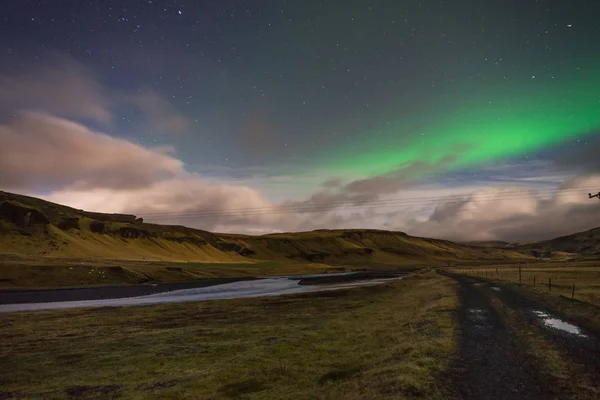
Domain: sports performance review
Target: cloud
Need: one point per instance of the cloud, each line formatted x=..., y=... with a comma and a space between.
x=94, y=171
x=158, y=111
x=333, y=183
x=66, y=88
x=47, y=147
x=44, y=151
x=189, y=201
x=341, y=219
x=91, y=170
x=365, y=190
x=497, y=214
x=62, y=87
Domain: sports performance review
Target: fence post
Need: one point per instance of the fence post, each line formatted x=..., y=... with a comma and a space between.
x=497, y=275
x=534, y=280
x=549, y=284
x=519, y=274
x=573, y=292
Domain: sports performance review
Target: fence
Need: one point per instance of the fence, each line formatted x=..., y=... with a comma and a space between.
x=539, y=279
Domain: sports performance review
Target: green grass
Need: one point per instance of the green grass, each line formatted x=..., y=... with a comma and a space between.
x=383, y=342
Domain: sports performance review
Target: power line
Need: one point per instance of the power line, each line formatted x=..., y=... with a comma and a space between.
x=398, y=203
x=330, y=208
x=353, y=202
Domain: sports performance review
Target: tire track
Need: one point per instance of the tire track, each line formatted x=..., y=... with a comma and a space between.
x=582, y=346
x=491, y=365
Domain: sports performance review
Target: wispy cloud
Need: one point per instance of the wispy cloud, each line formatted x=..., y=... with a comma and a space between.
x=65, y=88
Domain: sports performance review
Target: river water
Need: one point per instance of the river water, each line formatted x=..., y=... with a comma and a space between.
x=272, y=286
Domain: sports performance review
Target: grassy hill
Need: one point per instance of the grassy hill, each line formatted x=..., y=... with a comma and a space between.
x=583, y=244
x=36, y=235
x=499, y=244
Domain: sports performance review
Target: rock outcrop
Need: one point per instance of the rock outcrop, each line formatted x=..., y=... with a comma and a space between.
x=128, y=218
x=133, y=233
x=22, y=216
x=97, y=227
x=67, y=223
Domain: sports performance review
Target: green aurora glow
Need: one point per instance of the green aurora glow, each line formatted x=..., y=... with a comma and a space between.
x=502, y=123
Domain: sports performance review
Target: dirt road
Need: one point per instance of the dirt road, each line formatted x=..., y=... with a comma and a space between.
x=495, y=364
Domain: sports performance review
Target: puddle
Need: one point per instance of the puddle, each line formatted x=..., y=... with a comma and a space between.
x=495, y=288
x=541, y=314
x=562, y=325
x=478, y=313
x=559, y=324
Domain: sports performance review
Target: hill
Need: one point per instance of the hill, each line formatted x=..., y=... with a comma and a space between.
x=35, y=233
x=499, y=244
x=586, y=244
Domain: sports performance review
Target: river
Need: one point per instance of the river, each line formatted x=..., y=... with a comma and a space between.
x=264, y=286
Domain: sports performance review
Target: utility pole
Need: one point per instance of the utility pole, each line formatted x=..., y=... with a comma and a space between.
x=591, y=196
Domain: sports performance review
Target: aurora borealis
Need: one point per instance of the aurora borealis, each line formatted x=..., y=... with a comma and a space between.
x=519, y=121
x=215, y=106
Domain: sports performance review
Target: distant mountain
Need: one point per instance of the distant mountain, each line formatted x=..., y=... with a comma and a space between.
x=33, y=227
x=581, y=243
x=499, y=244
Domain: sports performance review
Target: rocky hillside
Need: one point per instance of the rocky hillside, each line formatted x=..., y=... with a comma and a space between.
x=33, y=227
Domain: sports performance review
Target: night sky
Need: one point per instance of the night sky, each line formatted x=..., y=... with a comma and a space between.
x=195, y=111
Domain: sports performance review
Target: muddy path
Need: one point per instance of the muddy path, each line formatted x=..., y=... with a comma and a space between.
x=580, y=345
x=491, y=365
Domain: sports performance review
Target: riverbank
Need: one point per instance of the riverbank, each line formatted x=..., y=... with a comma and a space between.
x=330, y=279
x=390, y=340
x=16, y=296
x=214, y=289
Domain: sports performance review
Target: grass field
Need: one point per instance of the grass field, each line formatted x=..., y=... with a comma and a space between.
x=36, y=272
x=581, y=305
x=553, y=278
x=387, y=341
